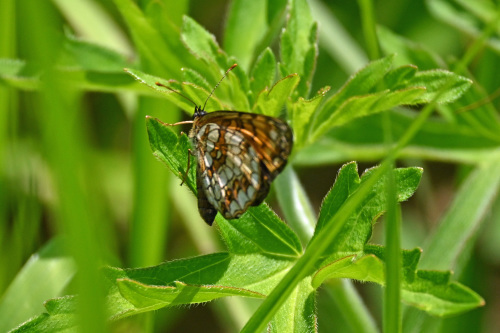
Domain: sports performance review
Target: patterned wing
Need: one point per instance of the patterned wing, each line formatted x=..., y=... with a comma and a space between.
x=239, y=155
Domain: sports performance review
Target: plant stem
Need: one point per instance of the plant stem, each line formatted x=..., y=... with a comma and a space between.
x=368, y=22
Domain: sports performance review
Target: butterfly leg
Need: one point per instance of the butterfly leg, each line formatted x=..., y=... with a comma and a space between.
x=190, y=153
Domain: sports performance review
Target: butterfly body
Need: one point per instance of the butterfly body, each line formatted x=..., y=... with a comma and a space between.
x=239, y=154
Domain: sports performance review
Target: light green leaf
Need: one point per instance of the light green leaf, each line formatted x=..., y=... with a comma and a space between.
x=45, y=275
x=150, y=297
x=299, y=46
x=301, y=113
x=357, y=230
x=16, y=73
x=201, y=42
x=465, y=216
x=377, y=88
x=367, y=268
x=431, y=291
x=197, y=94
x=360, y=106
x=246, y=26
x=148, y=39
x=434, y=80
x=190, y=75
x=86, y=56
x=264, y=71
x=270, y=103
x=363, y=140
x=298, y=314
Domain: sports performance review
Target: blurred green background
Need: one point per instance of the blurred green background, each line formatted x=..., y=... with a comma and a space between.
x=78, y=179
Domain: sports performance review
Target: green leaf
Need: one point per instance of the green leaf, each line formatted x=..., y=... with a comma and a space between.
x=259, y=230
x=192, y=76
x=197, y=94
x=87, y=56
x=246, y=26
x=357, y=230
x=361, y=83
x=458, y=228
x=360, y=106
x=363, y=140
x=184, y=281
x=434, y=293
x=367, y=268
x=431, y=291
x=434, y=80
x=16, y=73
x=299, y=46
x=172, y=150
x=150, y=297
x=427, y=290
x=271, y=102
x=298, y=314
x=264, y=71
x=204, y=46
x=201, y=42
x=148, y=39
x=301, y=112
x=376, y=88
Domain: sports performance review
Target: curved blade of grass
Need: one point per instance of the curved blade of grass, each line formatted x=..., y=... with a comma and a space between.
x=45, y=275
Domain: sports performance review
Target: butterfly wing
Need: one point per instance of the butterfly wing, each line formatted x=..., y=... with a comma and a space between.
x=239, y=154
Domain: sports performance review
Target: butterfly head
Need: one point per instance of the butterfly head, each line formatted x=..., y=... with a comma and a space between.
x=198, y=112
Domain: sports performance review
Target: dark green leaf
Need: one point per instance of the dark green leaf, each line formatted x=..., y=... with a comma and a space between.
x=171, y=150
x=259, y=230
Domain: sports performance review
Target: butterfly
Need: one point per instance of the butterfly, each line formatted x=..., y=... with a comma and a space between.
x=238, y=155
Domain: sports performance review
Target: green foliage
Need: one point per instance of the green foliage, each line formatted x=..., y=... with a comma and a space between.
x=381, y=112
x=258, y=258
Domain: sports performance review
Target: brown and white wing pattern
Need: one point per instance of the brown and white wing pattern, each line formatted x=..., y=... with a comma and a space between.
x=239, y=155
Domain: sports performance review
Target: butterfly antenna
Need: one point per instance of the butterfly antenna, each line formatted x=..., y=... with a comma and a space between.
x=225, y=74
x=175, y=91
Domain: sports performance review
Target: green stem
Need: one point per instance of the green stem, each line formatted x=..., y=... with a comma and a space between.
x=351, y=306
x=392, y=301
x=368, y=22
x=295, y=204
